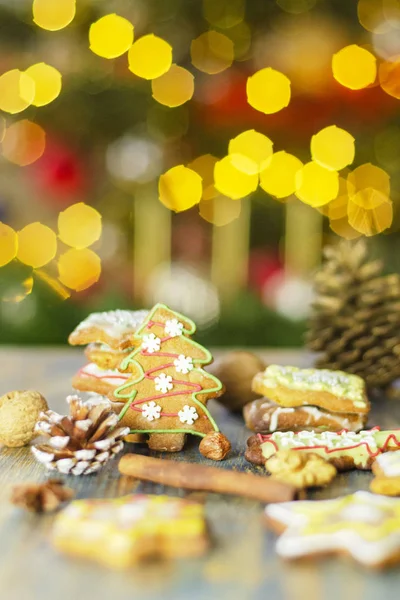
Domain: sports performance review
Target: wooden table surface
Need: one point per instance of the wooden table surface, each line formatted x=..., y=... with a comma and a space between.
x=242, y=564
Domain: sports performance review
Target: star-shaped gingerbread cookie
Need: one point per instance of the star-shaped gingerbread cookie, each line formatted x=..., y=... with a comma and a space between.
x=362, y=525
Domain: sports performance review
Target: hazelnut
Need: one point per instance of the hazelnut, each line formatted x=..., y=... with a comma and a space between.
x=19, y=412
x=215, y=446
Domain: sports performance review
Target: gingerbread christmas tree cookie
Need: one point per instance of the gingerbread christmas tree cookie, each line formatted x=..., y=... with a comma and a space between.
x=167, y=392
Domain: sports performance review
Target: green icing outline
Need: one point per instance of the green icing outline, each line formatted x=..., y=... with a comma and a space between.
x=131, y=359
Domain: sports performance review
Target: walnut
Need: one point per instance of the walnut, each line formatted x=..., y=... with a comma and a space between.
x=19, y=412
x=301, y=469
x=215, y=446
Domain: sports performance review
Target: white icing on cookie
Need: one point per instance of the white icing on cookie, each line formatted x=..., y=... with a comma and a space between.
x=274, y=418
x=389, y=463
x=115, y=323
x=112, y=376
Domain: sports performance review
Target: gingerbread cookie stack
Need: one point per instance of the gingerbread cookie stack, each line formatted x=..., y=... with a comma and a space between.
x=151, y=370
x=307, y=399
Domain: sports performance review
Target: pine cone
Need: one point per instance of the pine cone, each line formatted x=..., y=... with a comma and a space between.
x=355, y=320
x=41, y=497
x=82, y=442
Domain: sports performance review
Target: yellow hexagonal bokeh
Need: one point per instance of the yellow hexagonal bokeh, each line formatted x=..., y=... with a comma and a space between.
x=371, y=15
x=224, y=14
x=48, y=81
x=254, y=146
x=150, y=57
x=17, y=91
x=110, y=36
x=79, y=225
x=316, y=185
x=369, y=198
x=53, y=14
x=337, y=208
x=268, y=90
x=204, y=166
x=354, y=67
x=212, y=52
x=79, y=269
x=333, y=148
x=24, y=142
x=372, y=221
x=220, y=211
x=368, y=176
x=344, y=229
x=279, y=177
x=8, y=244
x=180, y=188
x=174, y=88
x=37, y=245
x=231, y=181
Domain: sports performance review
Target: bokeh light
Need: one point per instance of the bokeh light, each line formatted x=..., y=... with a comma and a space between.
x=111, y=36
x=8, y=244
x=332, y=148
x=37, y=245
x=79, y=269
x=173, y=88
x=370, y=222
x=337, y=208
x=354, y=67
x=79, y=225
x=134, y=158
x=204, y=166
x=53, y=14
x=220, y=210
x=150, y=57
x=254, y=147
x=47, y=83
x=369, y=198
x=240, y=35
x=316, y=185
x=368, y=176
x=371, y=15
x=279, y=176
x=268, y=90
x=17, y=91
x=231, y=181
x=224, y=13
x=212, y=52
x=389, y=77
x=296, y=7
x=24, y=142
x=180, y=188
x=343, y=228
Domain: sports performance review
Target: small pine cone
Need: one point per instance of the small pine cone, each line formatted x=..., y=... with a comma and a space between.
x=82, y=442
x=41, y=497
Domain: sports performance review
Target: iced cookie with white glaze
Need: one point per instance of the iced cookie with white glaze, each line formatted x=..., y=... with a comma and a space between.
x=345, y=450
x=363, y=526
x=116, y=328
x=265, y=416
x=335, y=391
x=386, y=469
x=106, y=357
x=91, y=378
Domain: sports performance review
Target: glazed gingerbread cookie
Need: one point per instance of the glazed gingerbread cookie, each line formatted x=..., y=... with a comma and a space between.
x=106, y=357
x=386, y=469
x=119, y=533
x=92, y=378
x=115, y=328
x=265, y=416
x=167, y=393
x=345, y=450
x=361, y=525
x=335, y=391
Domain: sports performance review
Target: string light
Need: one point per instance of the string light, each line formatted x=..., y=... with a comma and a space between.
x=316, y=185
x=268, y=90
x=53, y=14
x=111, y=36
x=79, y=269
x=8, y=244
x=231, y=181
x=333, y=148
x=48, y=83
x=354, y=67
x=180, y=188
x=17, y=91
x=255, y=147
x=212, y=52
x=79, y=225
x=150, y=57
x=174, y=88
x=279, y=177
x=37, y=245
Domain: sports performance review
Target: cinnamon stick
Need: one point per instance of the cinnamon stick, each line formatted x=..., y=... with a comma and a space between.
x=211, y=479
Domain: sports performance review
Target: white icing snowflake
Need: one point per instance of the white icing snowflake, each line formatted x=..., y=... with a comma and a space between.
x=151, y=411
x=163, y=383
x=173, y=328
x=188, y=414
x=183, y=364
x=151, y=343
